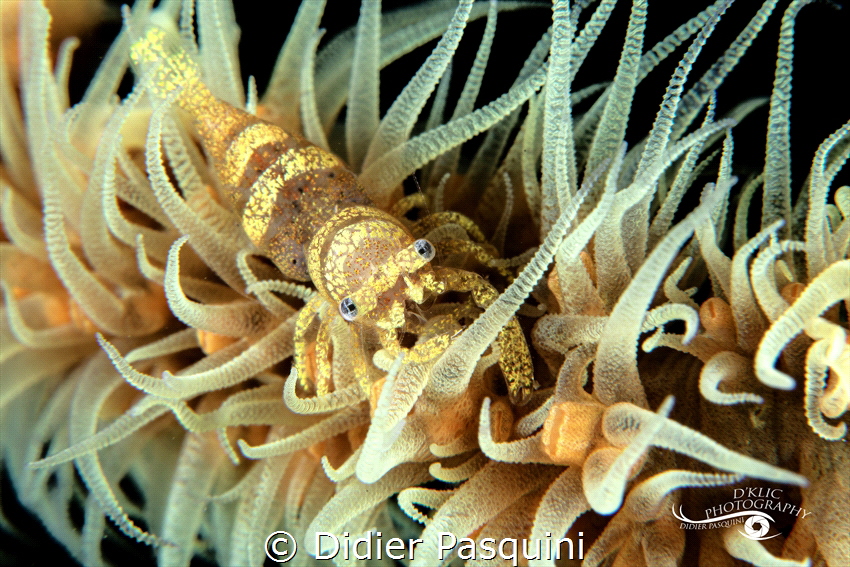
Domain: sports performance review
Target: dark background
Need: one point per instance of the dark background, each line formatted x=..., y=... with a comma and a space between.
x=819, y=97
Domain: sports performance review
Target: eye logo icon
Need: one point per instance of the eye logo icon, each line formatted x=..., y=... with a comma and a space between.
x=755, y=527
x=281, y=546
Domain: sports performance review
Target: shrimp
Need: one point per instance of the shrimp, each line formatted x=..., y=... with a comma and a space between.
x=306, y=211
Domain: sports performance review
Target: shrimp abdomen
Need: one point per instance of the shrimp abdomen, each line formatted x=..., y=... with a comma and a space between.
x=282, y=187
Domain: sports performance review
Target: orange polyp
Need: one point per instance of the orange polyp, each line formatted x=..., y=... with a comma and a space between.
x=571, y=430
x=212, y=342
x=56, y=312
x=81, y=320
x=20, y=292
x=153, y=305
x=716, y=316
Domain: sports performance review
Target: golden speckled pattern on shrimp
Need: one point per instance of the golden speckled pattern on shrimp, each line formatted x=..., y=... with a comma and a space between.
x=282, y=186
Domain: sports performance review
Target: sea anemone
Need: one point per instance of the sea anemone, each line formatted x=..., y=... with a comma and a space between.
x=681, y=335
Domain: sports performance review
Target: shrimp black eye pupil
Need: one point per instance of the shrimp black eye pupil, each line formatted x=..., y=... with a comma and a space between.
x=425, y=249
x=348, y=309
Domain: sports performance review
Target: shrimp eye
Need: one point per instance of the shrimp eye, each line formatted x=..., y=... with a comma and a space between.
x=347, y=309
x=425, y=249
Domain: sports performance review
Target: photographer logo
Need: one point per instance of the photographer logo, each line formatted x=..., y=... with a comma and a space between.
x=749, y=508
